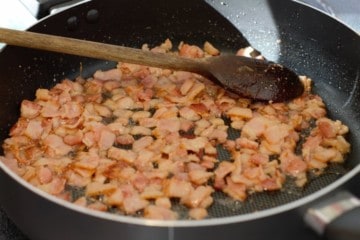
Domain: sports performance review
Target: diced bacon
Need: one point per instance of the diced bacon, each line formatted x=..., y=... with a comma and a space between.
x=98, y=206
x=177, y=188
x=125, y=103
x=74, y=139
x=200, y=176
x=292, y=164
x=29, y=109
x=57, y=145
x=71, y=110
x=45, y=175
x=210, y=49
x=132, y=204
x=56, y=186
x=168, y=125
x=121, y=154
x=199, y=108
x=140, y=130
x=115, y=198
x=43, y=94
x=276, y=133
x=81, y=201
x=107, y=139
x=239, y=112
x=198, y=213
x=254, y=128
x=95, y=188
x=142, y=143
x=126, y=139
x=34, y=129
x=236, y=190
x=152, y=192
x=224, y=169
x=50, y=109
x=195, y=144
x=197, y=196
x=159, y=213
x=271, y=184
x=112, y=74
x=186, y=86
x=189, y=114
x=163, y=202
x=191, y=51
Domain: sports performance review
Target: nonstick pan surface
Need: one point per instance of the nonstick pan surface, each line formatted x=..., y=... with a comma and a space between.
x=298, y=39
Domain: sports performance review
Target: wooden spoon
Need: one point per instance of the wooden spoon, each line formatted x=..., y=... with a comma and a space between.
x=247, y=77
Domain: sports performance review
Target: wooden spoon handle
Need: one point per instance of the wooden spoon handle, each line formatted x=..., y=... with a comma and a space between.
x=98, y=50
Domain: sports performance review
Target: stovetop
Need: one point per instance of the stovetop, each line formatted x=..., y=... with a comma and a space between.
x=32, y=10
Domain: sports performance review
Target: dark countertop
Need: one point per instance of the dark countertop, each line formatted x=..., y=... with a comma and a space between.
x=347, y=12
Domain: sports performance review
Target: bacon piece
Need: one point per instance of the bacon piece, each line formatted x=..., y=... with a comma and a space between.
x=112, y=74
x=235, y=190
x=195, y=144
x=95, y=188
x=34, y=129
x=254, y=128
x=159, y=213
x=45, y=175
x=199, y=197
x=175, y=188
x=133, y=203
x=57, y=145
x=198, y=213
x=121, y=154
x=106, y=140
x=29, y=109
x=191, y=51
x=200, y=176
x=210, y=49
x=55, y=187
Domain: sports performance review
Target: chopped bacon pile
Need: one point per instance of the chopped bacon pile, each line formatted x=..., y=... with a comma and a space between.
x=134, y=138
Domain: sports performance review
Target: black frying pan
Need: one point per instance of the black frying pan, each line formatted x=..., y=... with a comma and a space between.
x=307, y=41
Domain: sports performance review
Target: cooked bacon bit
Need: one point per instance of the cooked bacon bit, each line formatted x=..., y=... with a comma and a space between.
x=159, y=213
x=198, y=213
x=198, y=197
x=81, y=201
x=44, y=175
x=95, y=188
x=163, y=202
x=235, y=190
x=29, y=109
x=98, y=206
x=55, y=187
x=112, y=74
x=106, y=140
x=239, y=112
x=191, y=51
x=34, y=129
x=137, y=137
x=43, y=94
x=57, y=145
x=177, y=188
x=210, y=49
x=134, y=203
x=121, y=154
x=254, y=128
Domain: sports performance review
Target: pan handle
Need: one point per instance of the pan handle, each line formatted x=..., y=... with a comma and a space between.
x=336, y=218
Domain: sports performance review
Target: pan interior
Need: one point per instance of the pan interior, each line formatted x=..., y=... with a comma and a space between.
x=335, y=75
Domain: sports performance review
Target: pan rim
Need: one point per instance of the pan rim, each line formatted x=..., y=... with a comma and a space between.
x=181, y=223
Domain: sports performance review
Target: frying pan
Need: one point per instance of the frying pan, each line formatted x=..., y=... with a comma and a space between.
x=292, y=34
